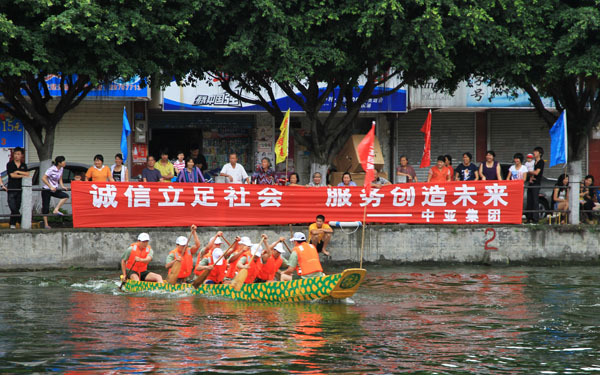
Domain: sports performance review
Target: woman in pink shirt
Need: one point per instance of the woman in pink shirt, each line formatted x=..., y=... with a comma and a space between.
x=52, y=180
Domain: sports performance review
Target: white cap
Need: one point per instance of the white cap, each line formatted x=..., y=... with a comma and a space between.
x=144, y=237
x=279, y=248
x=218, y=240
x=256, y=250
x=181, y=241
x=216, y=254
x=245, y=241
x=298, y=236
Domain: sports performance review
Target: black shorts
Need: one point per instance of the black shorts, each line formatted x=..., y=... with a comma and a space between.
x=260, y=280
x=319, y=246
x=47, y=194
x=142, y=276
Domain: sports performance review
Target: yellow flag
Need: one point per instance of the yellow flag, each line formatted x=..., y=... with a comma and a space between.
x=281, y=147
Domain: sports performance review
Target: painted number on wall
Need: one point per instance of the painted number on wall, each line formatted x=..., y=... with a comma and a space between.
x=487, y=246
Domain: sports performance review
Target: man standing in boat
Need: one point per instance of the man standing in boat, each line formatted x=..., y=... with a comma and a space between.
x=184, y=254
x=304, y=258
x=136, y=258
x=270, y=270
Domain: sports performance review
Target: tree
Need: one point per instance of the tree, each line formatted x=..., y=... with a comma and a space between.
x=319, y=50
x=548, y=48
x=84, y=43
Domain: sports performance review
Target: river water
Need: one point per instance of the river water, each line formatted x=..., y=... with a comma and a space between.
x=404, y=319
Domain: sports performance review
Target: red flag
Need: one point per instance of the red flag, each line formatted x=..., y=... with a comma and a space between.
x=366, y=155
x=426, y=128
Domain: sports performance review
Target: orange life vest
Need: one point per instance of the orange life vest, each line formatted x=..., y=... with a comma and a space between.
x=186, y=263
x=136, y=251
x=254, y=268
x=270, y=268
x=308, y=259
x=199, y=258
x=232, y=270
x=217, y=274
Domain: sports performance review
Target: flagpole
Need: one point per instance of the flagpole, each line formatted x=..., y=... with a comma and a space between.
x=287, y=147
x=362, y=244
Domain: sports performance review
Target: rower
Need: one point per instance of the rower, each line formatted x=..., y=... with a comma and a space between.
x=136, y=258
x=304, y=258
x=270, y=270
x=215, y=264
x=184, y=254
x=253, y=262
x=242, y=247
x=214, y=242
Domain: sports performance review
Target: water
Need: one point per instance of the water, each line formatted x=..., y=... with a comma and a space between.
x=403, y=319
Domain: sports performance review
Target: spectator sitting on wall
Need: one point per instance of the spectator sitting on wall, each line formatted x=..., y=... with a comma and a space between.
x=439, y=172
x=535, y=180
x=199, y=159
x=405, y=172
x=294, y=180
x=165, y=167
x=517, y=171
x=317, y=180
x=191, y=173
x=378, y=181
x=234, y=171
x=448, y=163
x=466, y=171
x=118, y=170
x=16, y=169
x=320, y=234
x=179, y=164
x=490, y=168
x=264, y=174
x=151, y=174
x=99, y=172
x=588, y=198
x=347, y=180
x=560, y=195
x=52, y=179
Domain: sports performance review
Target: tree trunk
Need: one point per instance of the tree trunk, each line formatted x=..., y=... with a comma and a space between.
x=47, y=148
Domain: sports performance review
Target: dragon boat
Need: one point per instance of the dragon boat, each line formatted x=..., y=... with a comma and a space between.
x=330, y=287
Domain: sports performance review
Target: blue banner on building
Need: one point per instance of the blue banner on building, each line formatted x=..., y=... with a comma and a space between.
x=119, y=89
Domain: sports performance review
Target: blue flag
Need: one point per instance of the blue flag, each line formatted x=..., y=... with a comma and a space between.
x=558, y=141
x=124, y=135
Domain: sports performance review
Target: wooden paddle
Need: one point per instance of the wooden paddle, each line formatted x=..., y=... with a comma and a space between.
x=238, y=280
x=224, y=239
x=127, y=275
x=176, y=267
x=202, y=277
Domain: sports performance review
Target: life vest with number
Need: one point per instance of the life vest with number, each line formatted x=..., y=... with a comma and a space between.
x=270, y=268
x=232, y=270
x=186, y=263
x=253, y=269
x=137, y=251
x=308, y=259
x=217, y=274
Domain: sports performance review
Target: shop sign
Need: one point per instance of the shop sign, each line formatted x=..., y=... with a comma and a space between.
x=140, y=152
x=209, y=96
x=11, y=131
x=122, y=204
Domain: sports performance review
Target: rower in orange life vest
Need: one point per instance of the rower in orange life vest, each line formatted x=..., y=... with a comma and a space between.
x=136, y=258
x=253, y=262
x=304, y=258
x=240, y=249
x=270, y=270
x=183, y=254
x=214, y=242
x=205, y=259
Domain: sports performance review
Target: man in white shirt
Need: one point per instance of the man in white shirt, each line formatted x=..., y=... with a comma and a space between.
x=234, y=172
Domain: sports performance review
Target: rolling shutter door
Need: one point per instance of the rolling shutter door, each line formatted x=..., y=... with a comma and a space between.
x=452, y=133
x=93, y=127
x=522, y=131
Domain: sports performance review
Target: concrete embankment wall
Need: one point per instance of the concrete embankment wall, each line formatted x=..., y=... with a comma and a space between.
x=385, y=244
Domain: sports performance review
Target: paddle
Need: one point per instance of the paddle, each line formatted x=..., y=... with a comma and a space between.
x=224, y=239
x=127, y=276
x=202, y=277
x=238, y=280
x=176, y=267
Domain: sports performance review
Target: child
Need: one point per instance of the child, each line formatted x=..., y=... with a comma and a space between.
x=179, y=164
x=529, y=163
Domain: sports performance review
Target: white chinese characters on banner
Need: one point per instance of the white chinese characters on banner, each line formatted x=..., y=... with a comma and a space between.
x=137, y=196
x=202, y=195
x=270, y=197
x=233, y=196
x=104, y=196
x=338, y=197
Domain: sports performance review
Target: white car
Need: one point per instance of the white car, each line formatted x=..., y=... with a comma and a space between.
x=69, y=173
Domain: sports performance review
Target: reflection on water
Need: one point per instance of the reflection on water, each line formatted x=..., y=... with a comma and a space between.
x=475, y=320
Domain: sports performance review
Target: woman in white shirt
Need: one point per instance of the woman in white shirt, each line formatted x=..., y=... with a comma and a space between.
x=560, y=196
x=517, y=171
x=118, y=171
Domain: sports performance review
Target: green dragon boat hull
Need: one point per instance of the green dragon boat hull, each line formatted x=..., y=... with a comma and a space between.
x=336, y=286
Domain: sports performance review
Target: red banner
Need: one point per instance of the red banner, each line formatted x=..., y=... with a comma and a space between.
x=124, y=204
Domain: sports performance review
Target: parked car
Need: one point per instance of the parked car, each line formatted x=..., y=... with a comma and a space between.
x=546, y=190
x=69, y=173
